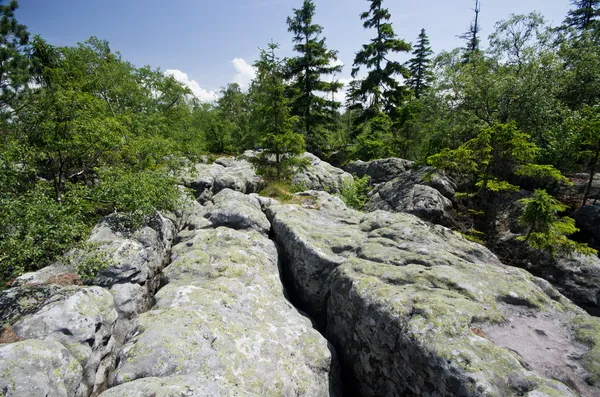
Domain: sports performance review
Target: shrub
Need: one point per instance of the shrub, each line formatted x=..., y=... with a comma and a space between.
x=355, y=193
x=548, y=232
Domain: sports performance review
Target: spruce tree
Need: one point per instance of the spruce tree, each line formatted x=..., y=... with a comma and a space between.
x=419, y=66
x=376, y=97
x=14, y=65
x=472, y=35
x=307, y=71
x=585, y=15
x=380, y=89
x=281, y=144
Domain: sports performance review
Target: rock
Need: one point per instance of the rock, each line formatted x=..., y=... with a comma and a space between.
x=415, y=309
x=81, y=318
x=176, y=386
x=379, y=171
x=222, y=325
x=38, y=368
x=577, y=276
x=587, y=219
x=240, y=176
x=205, y=180
x=406, y=193
x=237, y=211
x=201, y=179
x=321, y=176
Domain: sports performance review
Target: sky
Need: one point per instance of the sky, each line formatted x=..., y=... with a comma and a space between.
x=207, y=44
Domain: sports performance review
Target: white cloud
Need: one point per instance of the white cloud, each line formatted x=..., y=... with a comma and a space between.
x=199, y=92
x=245, y=73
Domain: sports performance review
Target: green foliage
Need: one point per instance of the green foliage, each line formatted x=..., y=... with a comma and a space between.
x=281, y=144
x=90, y=259
x=379, y=91
x=136, y=195
x=14, y=64
x=420, y=66
x=35, y=229
x=548, y=232
x=355, y=193
x=316, y=113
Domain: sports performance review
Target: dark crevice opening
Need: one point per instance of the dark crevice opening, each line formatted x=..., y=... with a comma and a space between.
x=349, y=383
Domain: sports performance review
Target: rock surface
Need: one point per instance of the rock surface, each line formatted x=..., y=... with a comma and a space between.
x=38, y=368
x=222, y=325
x=415, y=309
x=225, y=173
x=321, y=175
x=81, y=318
x=587, y=219
x=379, y=171
x=412, y=192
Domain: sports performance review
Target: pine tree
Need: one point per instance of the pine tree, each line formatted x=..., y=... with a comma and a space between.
x=280, y=142
x=472, y=35
x=379, y=91
x=307, y=71
x=14, y=65
x=584, y=16
x=375, y=98
x=419, y=66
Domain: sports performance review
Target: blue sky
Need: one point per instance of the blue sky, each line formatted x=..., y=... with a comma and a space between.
x=208, y=43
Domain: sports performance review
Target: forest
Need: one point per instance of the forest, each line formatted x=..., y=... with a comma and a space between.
x=85, y=133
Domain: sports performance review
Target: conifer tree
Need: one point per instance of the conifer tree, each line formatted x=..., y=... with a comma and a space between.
x=376, y=97
x=585, y=15
x=280, y=142
x=472, y=35
x=14, y=65
x=419, y=66
x=379, y=91
x=307, y=71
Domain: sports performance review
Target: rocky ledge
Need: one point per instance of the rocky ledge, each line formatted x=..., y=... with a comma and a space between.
x=415, y=309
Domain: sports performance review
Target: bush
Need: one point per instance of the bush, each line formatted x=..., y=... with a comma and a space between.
x=355, y=193
x=548, y=232
x=35, y=229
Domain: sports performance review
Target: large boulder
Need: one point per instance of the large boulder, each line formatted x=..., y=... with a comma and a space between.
x=414, y=192
x=575, y=276
x=38, y=368
x=320, y=175
x=81, y=318
x=221, y=324
x=379, y=171
x=587, y=219
x=205, y=180
x=416, y=309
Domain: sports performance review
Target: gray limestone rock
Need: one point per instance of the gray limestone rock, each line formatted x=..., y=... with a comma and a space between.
x=379, y=171
x=321, y=175
x=236, y=211
x=81, y=318
x=415, y=309
x=408, y=193
x=38, y=368
x=231, y=330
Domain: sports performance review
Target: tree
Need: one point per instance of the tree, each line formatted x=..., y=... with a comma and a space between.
x=281, y=144
x=472, y=35
x=233, y=109
x=14, y=64
x=588, y=135
x=420, y=66
x=546, y=231
x=379, y=90
x=377, y=96
x=584, y=16
x=307, y=71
